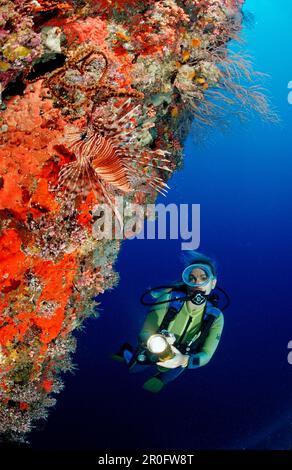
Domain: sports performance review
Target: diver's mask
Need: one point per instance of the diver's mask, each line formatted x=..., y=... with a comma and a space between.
x=193, y=281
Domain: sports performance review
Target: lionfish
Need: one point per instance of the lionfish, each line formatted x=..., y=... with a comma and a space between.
x=109, y=155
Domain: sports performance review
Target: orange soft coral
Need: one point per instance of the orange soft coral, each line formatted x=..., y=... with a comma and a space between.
x=32, y=127
x=11, y=260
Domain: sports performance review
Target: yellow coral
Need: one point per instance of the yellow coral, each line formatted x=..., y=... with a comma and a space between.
x=13, y=356
x=22, y=51
x=174, y=112
x=13, y=54
x=186, y=56
x=4, y=66
x=191, y=75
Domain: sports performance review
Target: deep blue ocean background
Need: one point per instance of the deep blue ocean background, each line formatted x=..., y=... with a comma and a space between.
x=243, y=398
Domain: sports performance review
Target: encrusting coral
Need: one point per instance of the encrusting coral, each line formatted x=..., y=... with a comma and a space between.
x=98, y=97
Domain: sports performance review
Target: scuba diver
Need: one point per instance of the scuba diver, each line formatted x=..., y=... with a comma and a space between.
x=183, y=327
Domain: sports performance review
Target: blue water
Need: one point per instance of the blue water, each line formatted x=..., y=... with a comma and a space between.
x=243, y=398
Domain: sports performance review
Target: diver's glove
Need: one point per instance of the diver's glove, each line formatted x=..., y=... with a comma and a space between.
x=179, y=360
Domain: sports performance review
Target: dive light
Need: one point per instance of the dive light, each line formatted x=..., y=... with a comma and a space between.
x=158, y=345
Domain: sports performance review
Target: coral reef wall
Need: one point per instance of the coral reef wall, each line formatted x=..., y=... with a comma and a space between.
x=97, y=99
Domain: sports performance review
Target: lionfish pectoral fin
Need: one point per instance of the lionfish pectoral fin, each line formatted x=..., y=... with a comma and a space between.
x=112, y=205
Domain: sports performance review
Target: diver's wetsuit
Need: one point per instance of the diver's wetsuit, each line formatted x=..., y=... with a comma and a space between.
x=178, y=327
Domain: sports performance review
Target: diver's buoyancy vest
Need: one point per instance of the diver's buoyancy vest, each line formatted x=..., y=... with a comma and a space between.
x=210, y=314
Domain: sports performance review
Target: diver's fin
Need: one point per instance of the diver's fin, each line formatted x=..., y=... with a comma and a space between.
x=153, y=385
x=117, y=357
x=124, y=354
